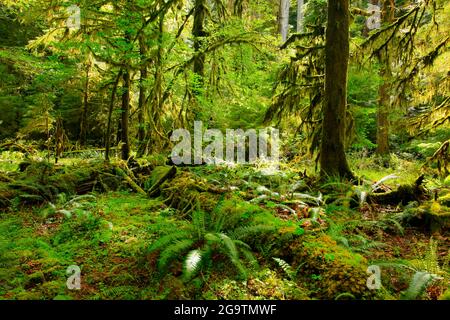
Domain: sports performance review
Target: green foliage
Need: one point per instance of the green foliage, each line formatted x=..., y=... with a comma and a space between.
x=199, y=243
x=286, y=268
x=418, y=285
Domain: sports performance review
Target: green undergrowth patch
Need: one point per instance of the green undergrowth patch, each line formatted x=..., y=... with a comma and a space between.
x=106, y=242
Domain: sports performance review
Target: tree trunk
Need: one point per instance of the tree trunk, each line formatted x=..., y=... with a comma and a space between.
x=300, y=17
x=141, y=103
x=85, y=110
x=387, y=16
x=333, y=161
x=125, y=115
x=284, y=18
x=383, y=121
x=198, y=32
x=110, y=111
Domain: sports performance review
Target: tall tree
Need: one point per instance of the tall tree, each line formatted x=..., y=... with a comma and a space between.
x=300, y=17
x=85, y=109
x=333, y=161
x=387, y=16
x=142, y=95
x=284, y=18
x=198, y=31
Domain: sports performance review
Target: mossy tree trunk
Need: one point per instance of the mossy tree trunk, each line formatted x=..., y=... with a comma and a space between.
x=387, y=16
x=300, y=4
x=124, y=128
x=85, y=108
x=333, y=161
x=198, y=31
x=383, y=119
x=142, y=97
x=284, y=18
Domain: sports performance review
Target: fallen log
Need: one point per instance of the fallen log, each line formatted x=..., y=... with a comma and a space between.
x=159, y=176
x=403, y=195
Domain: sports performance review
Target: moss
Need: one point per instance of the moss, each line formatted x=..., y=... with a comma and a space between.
x=333, y=269
x=35, y=279
x=445, y=295
x=447, y=181
x=431, y=217
x=263, y=285
x=186, y=192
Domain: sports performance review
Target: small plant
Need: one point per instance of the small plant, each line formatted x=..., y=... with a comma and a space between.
x=286, y=267
x=203, y=241
x=426, y=271
x=79, y=205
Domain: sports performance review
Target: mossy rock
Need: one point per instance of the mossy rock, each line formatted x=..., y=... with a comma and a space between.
x=187, y=192
x=432, y=217
x=35, y=279
x=263, y=285
x=337, y=271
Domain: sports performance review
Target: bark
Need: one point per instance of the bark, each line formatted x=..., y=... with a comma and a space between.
x=383, y=121
x=333, y=161
x=110, y=111
x=300, y=4
x=284, y=18
x=142, y=98
x=125, y=116
x=198, y=31
x=387, y=16
x=85, y=110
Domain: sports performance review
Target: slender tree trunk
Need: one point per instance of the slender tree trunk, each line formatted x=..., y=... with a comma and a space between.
x=333, y=161
x=142, y=98
x=387, y=16
x=125, y=115
x=85, y=110
x=110, y=111
x=284, y=18
x=383, y=120
x=300, y=17
x=198, y=31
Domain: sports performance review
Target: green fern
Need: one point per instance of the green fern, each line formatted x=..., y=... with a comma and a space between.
x=286, y=268
x=193, y=262
x=419, y=283
x=167, y=240
x=197, y=243
x=173, y=251
x=429, y=261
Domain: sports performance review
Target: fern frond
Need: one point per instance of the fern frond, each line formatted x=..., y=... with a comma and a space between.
x=229, y=245
x=173, y=251
x=285, y=267
x=192, y=262
x=248, y=255
x=418, y=285
x=167, y=240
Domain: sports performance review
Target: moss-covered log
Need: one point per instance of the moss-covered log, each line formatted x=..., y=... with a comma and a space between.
x=403, y=195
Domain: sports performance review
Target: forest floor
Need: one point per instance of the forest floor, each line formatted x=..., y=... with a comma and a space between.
x=311, y=239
